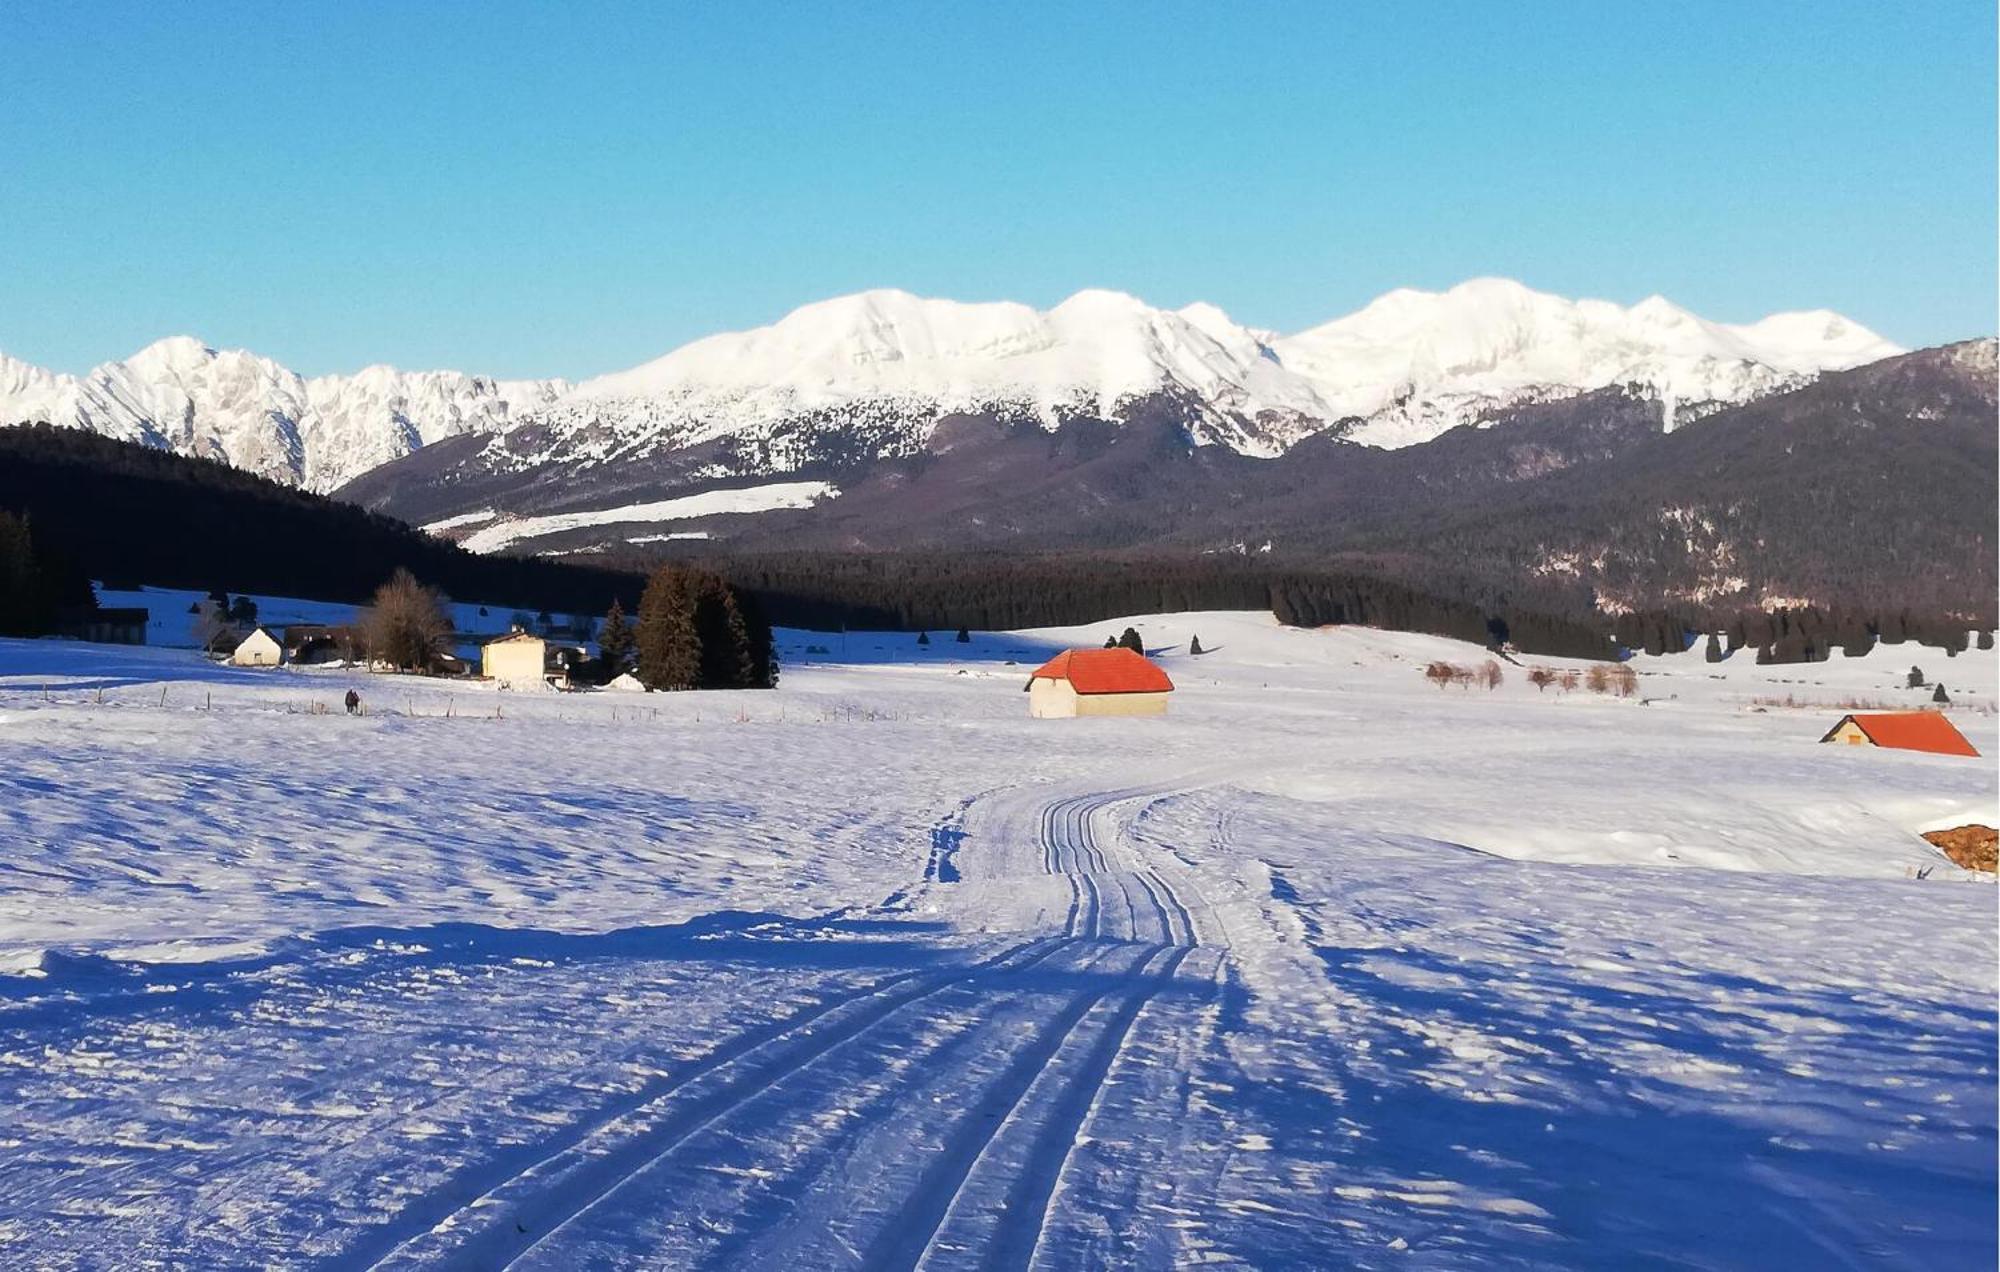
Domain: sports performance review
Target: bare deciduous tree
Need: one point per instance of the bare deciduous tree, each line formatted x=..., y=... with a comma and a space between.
x=210, y=622
x=1490, y=675
x=1541, y=678
x=406, y=625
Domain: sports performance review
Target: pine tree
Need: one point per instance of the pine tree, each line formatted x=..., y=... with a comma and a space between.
x=1941, y=696
x=763, y=649
x=1131, y=641
x=739, y=663
x=1194, y=646
x=1916, y=680
x=1111, y=642
x=669, y=649
x=923, y=638
x=1714, y=651
x=964, y=637
x=615, y=641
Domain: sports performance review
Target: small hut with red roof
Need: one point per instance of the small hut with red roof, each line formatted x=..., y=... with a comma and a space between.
x=1903, y=731
x=1098, y=682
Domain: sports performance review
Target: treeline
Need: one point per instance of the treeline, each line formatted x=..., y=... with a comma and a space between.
x=994, y=591
x=128, y=513
x=1796, y=635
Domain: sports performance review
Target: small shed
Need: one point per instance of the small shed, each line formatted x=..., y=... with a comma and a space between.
x=319, y=643
x=1098, y=682
x=258, y=649
x=514, y=661
x=1903, y=731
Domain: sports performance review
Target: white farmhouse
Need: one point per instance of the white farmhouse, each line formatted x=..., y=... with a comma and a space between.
x=258, y=649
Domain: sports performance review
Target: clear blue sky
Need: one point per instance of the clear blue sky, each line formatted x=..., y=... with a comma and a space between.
x=574, y=188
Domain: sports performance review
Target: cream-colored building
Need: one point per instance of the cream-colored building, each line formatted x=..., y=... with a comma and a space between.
x=1098, y=682
x=258, y=649
x=518, y=660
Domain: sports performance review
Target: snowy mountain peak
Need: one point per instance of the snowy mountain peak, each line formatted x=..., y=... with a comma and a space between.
x=176, y=352
x=1090, y=354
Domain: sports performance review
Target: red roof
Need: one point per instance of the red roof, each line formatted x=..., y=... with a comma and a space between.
x=1912, y=731
x=1092, y=671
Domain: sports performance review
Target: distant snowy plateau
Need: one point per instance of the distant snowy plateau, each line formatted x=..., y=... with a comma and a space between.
x=874, y=374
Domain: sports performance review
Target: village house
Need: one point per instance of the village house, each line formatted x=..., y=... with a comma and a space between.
x=521, y=660
x=257, y=649
x=1097, y=682
x=1903, y=731
x=514, y=661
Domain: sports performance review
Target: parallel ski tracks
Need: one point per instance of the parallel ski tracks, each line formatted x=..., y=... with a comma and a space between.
x=576, y=1174
x=984, y=1199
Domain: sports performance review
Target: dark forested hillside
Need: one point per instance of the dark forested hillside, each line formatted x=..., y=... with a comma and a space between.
x=126, y=512
x=1869, y=491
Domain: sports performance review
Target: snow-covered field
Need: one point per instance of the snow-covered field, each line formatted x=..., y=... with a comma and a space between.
x=1327, y=968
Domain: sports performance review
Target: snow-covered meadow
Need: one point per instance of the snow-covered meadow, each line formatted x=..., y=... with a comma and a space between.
x=1329, y=967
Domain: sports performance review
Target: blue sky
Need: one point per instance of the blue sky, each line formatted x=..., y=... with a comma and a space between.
x=570, y=189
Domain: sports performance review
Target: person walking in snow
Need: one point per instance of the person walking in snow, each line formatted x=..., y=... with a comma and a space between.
x=353, y=701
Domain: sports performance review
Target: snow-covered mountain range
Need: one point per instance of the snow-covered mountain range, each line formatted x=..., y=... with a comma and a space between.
x=254, y=413
x=876, y=371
